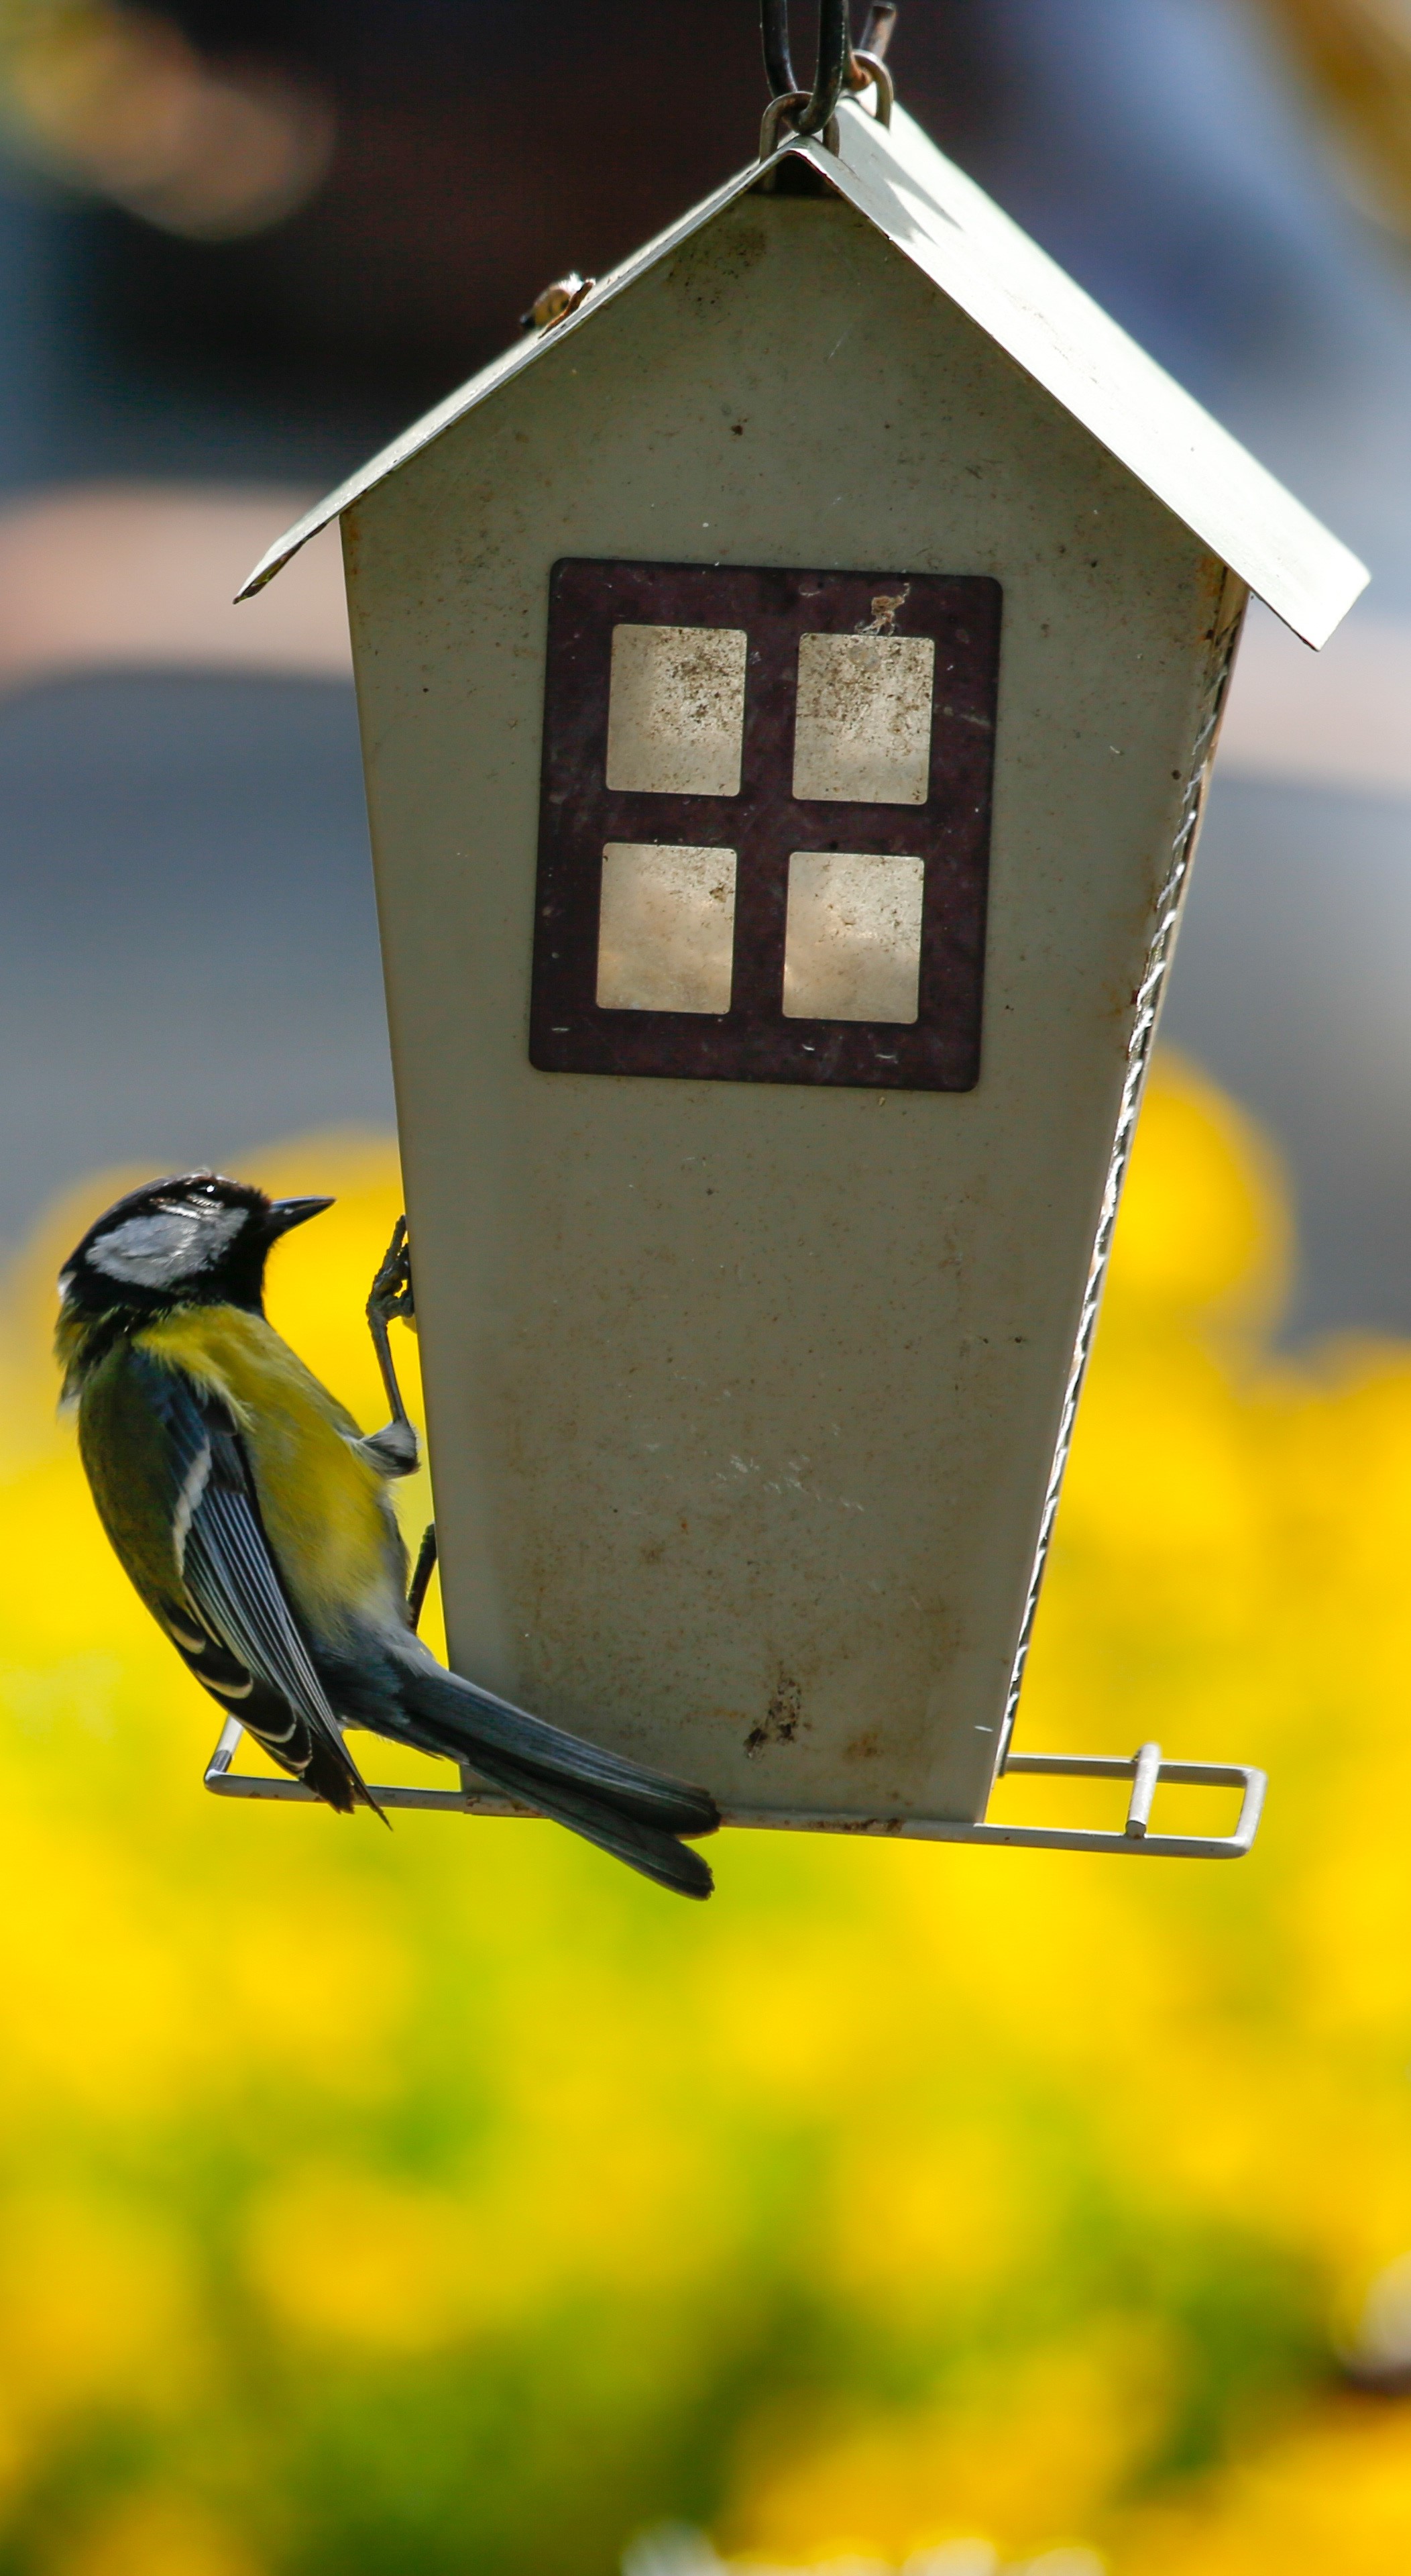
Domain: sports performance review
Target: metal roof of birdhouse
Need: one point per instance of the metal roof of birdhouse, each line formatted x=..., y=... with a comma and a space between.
x=937, y=218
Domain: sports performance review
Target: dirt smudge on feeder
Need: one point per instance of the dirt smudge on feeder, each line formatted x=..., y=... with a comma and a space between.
x=782, y=1719
x=883, y=620
x=706, y=269
x=862, y=730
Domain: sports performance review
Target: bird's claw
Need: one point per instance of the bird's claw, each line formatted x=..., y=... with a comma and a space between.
x=391, y=1294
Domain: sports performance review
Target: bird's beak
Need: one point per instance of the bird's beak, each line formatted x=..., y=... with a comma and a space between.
x=285, y=1214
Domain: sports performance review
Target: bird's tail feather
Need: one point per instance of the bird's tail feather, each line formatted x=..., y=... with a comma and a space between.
x=646, y=1848
x=632, y=1812
x=333, y=1775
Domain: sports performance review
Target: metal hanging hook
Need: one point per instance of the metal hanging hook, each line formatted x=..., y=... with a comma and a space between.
x=778, y=61
x=838, y=67
x=834, y=55
x=867, y=66
x=879, y=30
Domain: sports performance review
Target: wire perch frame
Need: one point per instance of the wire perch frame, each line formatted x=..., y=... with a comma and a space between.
x=1147, y=1769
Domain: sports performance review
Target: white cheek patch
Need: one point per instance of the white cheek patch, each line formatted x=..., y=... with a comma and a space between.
x=173, y=1244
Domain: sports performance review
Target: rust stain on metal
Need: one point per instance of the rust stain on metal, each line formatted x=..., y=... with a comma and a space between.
x=782, y=1719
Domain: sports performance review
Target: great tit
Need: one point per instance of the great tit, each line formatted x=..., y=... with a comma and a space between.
x=255, y=1521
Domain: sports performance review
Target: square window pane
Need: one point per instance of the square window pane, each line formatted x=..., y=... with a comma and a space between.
x=852, y=945
x=676, y=710
x=666, y=931
x=862, y=733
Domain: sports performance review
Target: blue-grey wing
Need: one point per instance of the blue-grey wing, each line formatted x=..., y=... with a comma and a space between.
x=245, y=1643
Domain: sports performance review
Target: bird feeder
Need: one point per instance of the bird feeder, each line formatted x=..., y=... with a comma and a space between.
x=788, y=681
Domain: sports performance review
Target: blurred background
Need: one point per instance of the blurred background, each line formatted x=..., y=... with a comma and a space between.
x=450, y=2206
x=240, y=246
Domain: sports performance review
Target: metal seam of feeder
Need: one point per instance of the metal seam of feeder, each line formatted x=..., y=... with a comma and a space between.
x=1140, y=1051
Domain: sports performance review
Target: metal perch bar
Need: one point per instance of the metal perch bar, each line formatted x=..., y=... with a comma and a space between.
x=469, y=1799
x=1145, y=1768
x=1148, y=1772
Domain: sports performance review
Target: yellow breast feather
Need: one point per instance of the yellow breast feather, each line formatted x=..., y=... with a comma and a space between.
x=325, y=1509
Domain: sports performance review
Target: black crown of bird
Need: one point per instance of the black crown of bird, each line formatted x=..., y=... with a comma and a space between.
x=255, y=1520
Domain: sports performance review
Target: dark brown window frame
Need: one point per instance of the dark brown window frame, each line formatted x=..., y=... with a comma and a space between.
x=764, y=825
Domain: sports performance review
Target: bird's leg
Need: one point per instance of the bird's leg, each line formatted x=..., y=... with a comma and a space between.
x=395, y=1451
x=422, y=1574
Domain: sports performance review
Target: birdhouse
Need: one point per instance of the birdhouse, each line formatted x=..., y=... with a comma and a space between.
x=788, y=681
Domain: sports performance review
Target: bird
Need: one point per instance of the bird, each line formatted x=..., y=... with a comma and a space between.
x=255, y=1520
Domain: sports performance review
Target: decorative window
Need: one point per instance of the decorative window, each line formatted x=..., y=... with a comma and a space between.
x=764, y=837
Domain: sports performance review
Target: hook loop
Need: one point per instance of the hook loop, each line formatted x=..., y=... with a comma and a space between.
x=778, y=61
x=868, y=71
x=834, y=57
x=784, y=111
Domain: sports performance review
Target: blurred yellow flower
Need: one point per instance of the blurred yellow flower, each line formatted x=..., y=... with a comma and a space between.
x=446, y=2199
x=355, y=2260
x=154, y=2536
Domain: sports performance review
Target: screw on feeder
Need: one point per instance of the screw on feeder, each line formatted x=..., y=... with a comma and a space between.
x=557, y=301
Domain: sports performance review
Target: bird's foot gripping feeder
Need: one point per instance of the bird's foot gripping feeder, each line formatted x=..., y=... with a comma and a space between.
x=1146, y=1770
x=788, y=681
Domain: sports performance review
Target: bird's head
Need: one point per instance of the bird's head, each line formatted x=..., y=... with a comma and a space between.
x=199, y=1240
